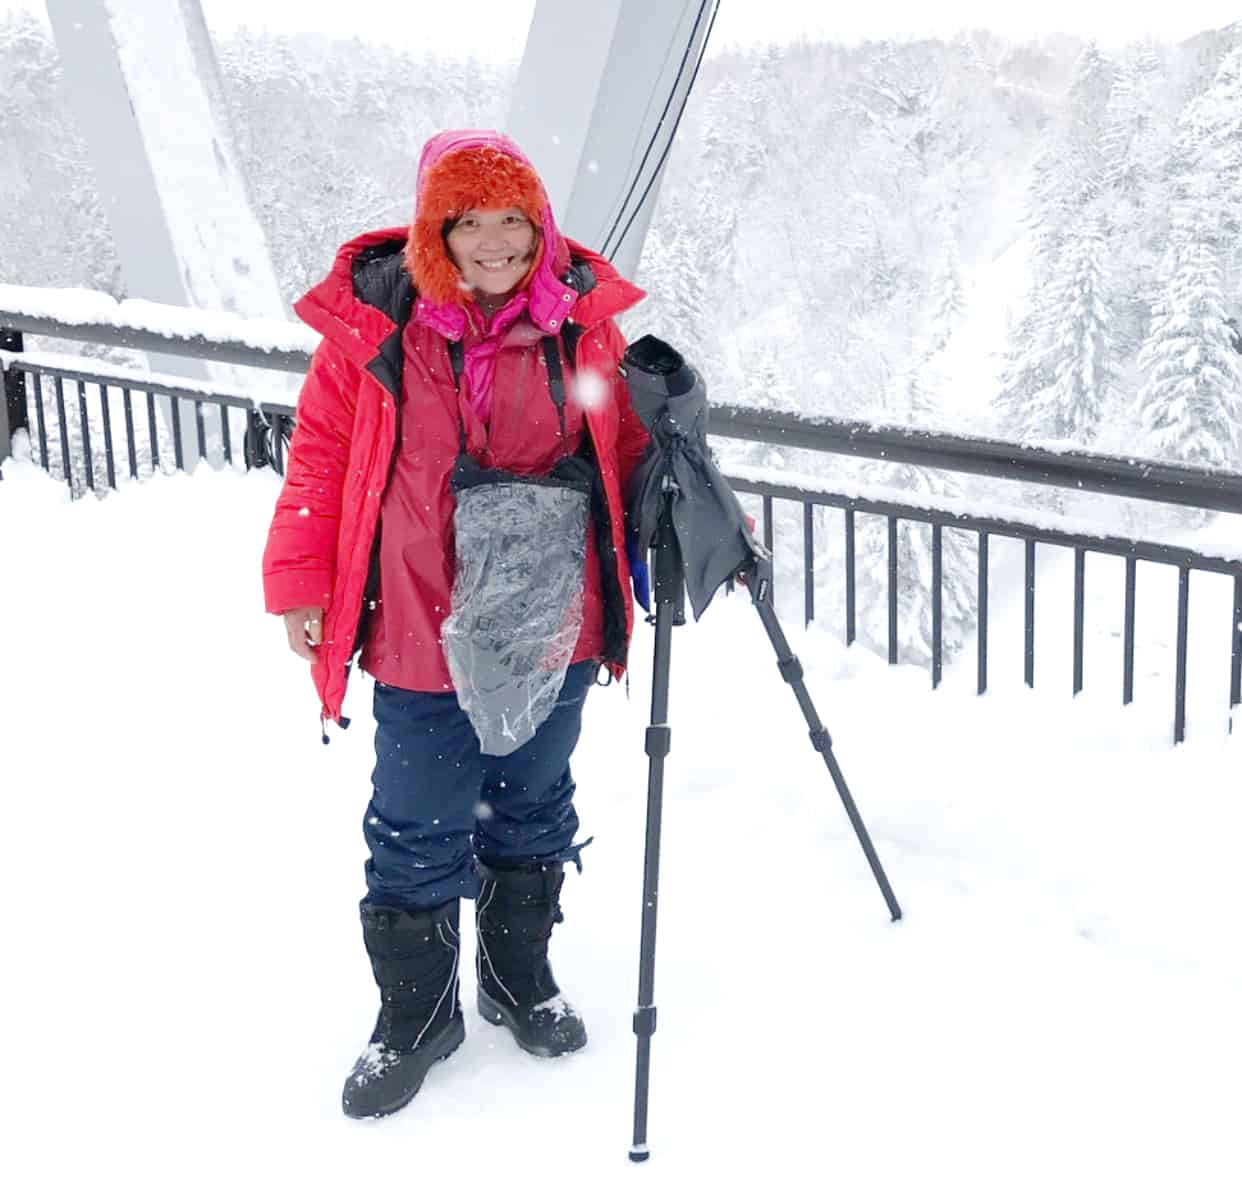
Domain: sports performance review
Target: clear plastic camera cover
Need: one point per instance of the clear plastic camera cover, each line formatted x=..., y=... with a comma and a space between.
x=516, y=605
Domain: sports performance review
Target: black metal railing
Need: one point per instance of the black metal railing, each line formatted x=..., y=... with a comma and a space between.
x=66, y=446
x=267, y=426
x=1133, y=551
x=38, y=381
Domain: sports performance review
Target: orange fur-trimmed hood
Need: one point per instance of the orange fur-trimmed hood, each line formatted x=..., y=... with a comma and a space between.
x=462, y=170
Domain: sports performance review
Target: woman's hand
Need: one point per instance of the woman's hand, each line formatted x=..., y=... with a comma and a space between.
x=304, y=627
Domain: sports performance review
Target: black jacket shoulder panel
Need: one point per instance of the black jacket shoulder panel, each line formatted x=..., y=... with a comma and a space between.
x=381, y=280
x=580, y=276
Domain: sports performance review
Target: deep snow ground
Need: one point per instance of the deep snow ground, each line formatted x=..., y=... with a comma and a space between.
x=180, y=860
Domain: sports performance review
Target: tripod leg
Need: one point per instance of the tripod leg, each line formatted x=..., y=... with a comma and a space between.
x=791, y=671
x=658, y=742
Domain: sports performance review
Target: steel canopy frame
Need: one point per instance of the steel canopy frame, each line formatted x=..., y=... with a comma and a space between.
x=597, y=102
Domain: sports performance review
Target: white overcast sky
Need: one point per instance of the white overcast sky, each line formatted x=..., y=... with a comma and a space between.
x=496, y=29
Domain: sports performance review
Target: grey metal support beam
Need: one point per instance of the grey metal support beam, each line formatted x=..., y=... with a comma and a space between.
x=144, y=85
x=596, y=104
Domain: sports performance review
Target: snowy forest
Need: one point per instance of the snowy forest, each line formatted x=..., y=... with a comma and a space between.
x=1035, y=241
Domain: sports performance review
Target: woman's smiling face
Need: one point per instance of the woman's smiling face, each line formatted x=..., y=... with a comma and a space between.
x=492, y=248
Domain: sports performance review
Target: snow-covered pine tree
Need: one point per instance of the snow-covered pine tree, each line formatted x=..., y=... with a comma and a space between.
x=732, y=156
x=1079, y=352
x=671, y=273
x=1070, y=169
x=1027, y=369
x=947, y=295
x=1130, y=117
x=760, y=97
x=1067, y=180
x=1190, y=405
x=691, y=247
x=1211, y=139
x=1137, y=147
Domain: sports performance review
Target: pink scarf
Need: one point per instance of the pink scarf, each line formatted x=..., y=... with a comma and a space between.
x=480, y=371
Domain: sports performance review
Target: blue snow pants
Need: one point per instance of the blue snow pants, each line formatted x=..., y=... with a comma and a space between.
x=437, y=801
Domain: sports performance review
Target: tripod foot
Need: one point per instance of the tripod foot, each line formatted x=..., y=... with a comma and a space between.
x=639, y=1152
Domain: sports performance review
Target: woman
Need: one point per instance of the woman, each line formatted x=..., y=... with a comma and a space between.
x=445, y=346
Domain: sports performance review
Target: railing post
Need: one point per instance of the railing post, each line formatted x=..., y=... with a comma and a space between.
x=13, y=405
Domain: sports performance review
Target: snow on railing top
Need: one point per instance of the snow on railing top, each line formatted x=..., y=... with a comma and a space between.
x=1076, y=468
x=783, y=428
x=82, y=308
x=222, y=336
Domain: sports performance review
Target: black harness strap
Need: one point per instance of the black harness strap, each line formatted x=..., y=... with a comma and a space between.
x=457, y=359
x=556, y=375
x=571, y=333
x=556, y=384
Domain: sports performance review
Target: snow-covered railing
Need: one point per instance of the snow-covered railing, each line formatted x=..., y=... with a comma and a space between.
x=84, y=443
x=1048, y=465
x=84, y=448
x=97, y=318
x=85, y=456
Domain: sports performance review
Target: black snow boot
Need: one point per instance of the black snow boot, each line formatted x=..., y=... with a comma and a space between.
x=414, y=957
x=515, y=912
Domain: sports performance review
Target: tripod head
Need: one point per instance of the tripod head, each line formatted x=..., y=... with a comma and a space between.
x=678, y=502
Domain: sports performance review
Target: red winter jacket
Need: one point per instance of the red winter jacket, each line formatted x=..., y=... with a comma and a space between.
x=323, y=546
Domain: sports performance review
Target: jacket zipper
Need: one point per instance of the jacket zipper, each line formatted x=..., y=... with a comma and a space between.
x=373, y=557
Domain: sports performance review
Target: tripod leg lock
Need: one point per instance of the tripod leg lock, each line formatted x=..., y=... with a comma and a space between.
x=821, y=740
x=659, y=741
x=645, y=1020
x=791, y=669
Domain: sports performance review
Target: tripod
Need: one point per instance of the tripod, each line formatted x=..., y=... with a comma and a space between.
x=668, y=596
